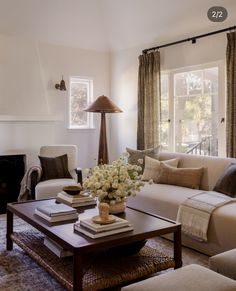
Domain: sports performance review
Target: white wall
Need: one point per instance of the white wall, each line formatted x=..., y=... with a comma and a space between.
x=124, y=72
x=29, y=71
x=32, y=111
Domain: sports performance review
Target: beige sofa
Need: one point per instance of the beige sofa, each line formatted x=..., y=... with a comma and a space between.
x=164, y=200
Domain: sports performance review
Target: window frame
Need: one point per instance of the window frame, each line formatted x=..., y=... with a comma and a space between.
x=221, y=102
x=90, y=120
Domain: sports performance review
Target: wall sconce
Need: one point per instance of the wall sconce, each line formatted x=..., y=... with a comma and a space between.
x=61, y=86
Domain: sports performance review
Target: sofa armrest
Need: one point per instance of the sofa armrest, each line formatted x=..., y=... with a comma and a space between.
x=79, y=175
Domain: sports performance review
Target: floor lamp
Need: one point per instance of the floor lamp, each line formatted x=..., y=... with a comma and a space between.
x=103, y=105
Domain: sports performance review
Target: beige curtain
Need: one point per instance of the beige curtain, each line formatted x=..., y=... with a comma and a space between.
x=148, y=100
x=231, y=95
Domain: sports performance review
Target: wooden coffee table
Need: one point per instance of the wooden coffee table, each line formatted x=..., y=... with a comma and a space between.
x=145, y=226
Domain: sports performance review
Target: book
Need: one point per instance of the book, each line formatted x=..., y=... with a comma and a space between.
x=75, y=198
x=56, y=248
x=119, y=222
x=56, y=209
x=93, y=234
x=77, y=204
x=57, y=218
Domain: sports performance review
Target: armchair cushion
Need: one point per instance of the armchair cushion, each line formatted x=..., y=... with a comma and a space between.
x=54, y=167
x=50, y=188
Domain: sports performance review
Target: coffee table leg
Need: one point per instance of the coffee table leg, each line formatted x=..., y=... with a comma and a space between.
x=77, y=272
x=177, y=248
x=9, y=230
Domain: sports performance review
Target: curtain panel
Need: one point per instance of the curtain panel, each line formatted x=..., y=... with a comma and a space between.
x=231, y=95
x=148, y=101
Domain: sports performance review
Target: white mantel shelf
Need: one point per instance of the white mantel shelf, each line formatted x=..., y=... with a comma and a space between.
x=31, y=118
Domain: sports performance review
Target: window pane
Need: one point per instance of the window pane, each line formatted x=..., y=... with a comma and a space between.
x=80, y=92
x=164, y=130
x=78, y=103
x=194, y=83
x=180, y=81
x=196, y=112
x=164, y=86
x=196, y=124
x=211, y=80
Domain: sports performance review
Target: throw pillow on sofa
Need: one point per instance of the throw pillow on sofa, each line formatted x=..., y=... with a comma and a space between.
x=153, y=167
x=135, y=155
x=54, y=168
x=226, y=184
x=185, y=177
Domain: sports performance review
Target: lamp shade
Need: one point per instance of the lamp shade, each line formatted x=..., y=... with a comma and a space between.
x=103, y=104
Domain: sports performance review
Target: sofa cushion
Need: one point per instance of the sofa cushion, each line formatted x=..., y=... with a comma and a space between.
x=192, y=278
x=164, y=200
x=185, y=177
x=54, y=168
x=135, y=155
x=224, y=263
x=153, y=167
x=226, y=184
x=161, y=199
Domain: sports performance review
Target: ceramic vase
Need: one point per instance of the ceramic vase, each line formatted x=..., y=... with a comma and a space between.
x=117, y=208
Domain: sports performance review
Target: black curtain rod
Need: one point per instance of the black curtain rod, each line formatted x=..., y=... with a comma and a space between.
x=192, y=39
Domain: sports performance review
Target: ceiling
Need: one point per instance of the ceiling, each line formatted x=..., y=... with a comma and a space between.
x=110, y=25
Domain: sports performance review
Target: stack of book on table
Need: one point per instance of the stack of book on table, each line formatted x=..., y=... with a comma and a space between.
x=56, y=212
x=56, y=248
x=76, y=200
x=95, y=230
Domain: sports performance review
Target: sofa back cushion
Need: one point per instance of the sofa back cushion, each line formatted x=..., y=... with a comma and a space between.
x=227, y=181
x=135, y=155
x=185, y=177
x=153, y=167
x=213, y=166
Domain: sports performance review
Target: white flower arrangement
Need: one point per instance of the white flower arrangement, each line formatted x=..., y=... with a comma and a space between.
x=116, y=182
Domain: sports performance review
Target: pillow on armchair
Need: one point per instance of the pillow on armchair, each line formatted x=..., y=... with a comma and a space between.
x=54, y=168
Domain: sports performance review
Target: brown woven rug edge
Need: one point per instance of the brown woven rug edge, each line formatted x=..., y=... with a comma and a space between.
x=18, y=238
x=125, y=269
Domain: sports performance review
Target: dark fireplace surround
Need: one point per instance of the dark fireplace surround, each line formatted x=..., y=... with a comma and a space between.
x=12, y=169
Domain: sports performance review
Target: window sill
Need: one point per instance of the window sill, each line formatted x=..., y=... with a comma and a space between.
x=84, y=130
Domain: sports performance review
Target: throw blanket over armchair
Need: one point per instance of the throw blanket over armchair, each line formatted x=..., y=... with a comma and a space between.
x=58, y=169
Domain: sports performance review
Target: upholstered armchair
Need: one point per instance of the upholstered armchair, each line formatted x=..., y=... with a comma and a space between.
x=58, y=164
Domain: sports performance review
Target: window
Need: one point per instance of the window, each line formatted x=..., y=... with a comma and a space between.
x=81, y=94
x=192, y=113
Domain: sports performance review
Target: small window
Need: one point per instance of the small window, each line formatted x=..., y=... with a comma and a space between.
x=81, y=94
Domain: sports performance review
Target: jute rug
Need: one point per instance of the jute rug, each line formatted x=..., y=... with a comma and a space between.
x=19, y=272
